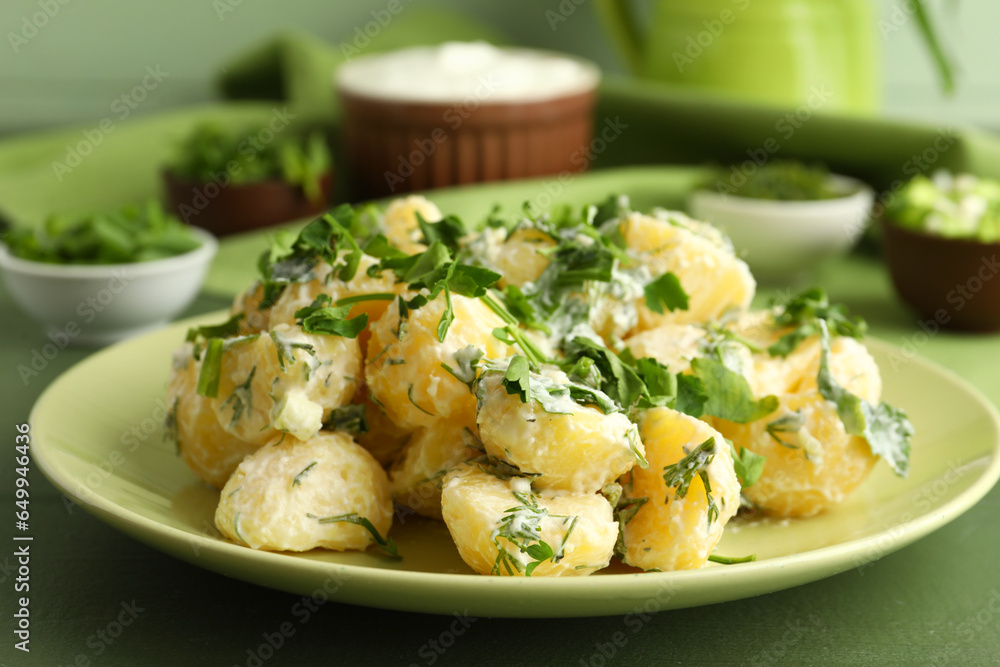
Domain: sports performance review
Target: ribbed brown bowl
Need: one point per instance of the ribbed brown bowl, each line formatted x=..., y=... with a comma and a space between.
x=952, y=281
x=239, y=207
x=395, y=146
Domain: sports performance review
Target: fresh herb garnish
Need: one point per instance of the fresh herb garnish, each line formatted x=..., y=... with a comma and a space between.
x=680, y=475
x=386, y=544
x=211, y=368
x=804, y=312
x=132, y=234
x=666, y=292
x=350, y=418
x=297, y=480
x=748, y=465
x=521, y=526
x=728, y=393
x=729, y=560
x=211, y=150
x=321, y=318
x=467, y=359
x=887, y=429
x=230, y=327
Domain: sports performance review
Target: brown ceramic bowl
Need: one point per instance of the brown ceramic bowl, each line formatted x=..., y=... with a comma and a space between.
x=952, y=281
x=397, y=145
x=239, y=207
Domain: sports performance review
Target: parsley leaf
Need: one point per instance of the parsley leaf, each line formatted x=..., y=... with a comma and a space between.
x=230, y=327
x=211, y=369
x=728, y=393
x=350, y=418
x=804, y=312
x=515, y=379
x=617, y=379
x=680, y=475
x=448, y=231
x=386, y=544
x=666, y=292
x=322, y=318
x=887, y=429
x=748, y=465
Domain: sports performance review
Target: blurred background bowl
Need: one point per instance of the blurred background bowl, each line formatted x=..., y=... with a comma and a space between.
x=399, y=143
x=240, y=207
x=103, y=303
x=950, y=280
x=781, y=240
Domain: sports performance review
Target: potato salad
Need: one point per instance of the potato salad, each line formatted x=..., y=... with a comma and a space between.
x=560, y=390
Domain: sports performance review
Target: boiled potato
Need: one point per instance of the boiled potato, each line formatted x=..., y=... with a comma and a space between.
x=299, y=295
x=816, y=464
x=284, y=496
x=580, y=450
x=518, y=258
x=285, y=381
x=476, y=505
x=400, y=221
x=405, y=373
x=254, y=319
x=417, y=475
x=673, y=345
x=670, y=532
x=383, y=440
x=207, y=448
x=715, y=280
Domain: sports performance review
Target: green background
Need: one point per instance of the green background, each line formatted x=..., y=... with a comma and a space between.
x=89, y=52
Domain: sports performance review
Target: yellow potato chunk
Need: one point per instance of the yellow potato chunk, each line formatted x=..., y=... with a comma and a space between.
x=383, y=440
x=254, y=320
x=299, y=295
x=400, y=221
x=405, y=373
x=675, y=531
x=519, y=259
x=290, y=495
x=432, y=451
x=716, y=281
x=818, y=465
x=284, y=381
x=207, y=448
x=493, y=536
x=580, y=450
x=673, y=345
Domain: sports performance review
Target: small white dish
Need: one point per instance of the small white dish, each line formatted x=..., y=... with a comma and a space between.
x=781, y=240
x=84, y=304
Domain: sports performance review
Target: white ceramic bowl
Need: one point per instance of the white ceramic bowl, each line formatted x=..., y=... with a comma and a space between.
x=99, y=304
x=780, y=240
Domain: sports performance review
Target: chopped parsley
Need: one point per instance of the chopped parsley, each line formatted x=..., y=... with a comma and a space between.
x=386, y=544
x=666, y=292
x=887, y=429
x=321, y=318
x=680, y=475
x=804, y=312
x=297, y=480
x=350, y=418
x=521, y=526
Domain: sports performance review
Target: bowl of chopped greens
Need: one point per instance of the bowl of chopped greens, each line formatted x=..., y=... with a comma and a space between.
x=784, y=217
x=230, y=181
x=99, y=278
x=941, y=238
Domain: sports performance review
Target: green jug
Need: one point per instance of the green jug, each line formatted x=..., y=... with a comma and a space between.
x=783, y=52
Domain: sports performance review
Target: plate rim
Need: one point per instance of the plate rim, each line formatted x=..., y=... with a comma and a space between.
x=799, y=568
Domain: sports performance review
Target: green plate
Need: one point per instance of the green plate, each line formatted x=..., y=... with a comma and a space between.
x=97, y=435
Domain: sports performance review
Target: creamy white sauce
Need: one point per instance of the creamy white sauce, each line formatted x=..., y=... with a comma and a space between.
x=467, y=72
